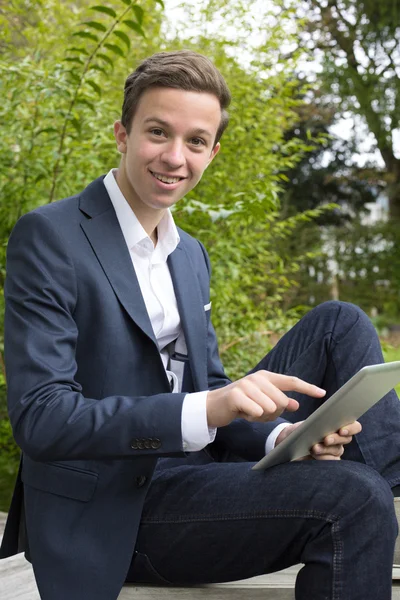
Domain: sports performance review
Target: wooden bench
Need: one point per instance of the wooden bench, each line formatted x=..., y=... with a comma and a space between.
x=17, y=583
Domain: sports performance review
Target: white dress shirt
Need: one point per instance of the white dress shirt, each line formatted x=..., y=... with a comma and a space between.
x=150, y=264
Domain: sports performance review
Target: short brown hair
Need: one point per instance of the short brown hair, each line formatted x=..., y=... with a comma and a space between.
x=184, y=70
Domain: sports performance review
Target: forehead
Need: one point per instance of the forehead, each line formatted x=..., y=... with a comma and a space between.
x=179, y=109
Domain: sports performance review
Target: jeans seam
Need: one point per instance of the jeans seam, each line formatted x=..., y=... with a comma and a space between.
x=337, y=561
x=276, y=513
x=334, y=327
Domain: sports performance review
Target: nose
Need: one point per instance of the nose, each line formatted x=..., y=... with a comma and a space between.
x=173, y=155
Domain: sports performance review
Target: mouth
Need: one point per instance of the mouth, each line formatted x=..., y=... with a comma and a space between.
x=167, y=179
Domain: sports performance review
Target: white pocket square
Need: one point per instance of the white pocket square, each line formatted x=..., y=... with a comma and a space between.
x=207, y=306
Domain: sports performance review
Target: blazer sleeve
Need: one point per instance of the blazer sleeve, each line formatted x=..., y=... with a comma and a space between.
x=51, y=418
x=240, y=437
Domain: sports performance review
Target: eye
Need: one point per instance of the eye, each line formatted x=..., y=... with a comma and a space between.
x=157, y=132
x=197, y=142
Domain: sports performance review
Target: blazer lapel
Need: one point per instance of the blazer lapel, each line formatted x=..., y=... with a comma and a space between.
x=191, y=310
x=105, y=236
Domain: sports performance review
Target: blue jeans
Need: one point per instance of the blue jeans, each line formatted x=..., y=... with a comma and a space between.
x=207, y=521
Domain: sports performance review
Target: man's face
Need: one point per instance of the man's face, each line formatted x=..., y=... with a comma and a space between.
x=170, y=144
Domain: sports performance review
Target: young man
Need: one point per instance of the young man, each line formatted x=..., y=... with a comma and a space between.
x=136, y=446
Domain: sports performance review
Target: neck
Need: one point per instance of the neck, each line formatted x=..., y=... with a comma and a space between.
x=153, y=236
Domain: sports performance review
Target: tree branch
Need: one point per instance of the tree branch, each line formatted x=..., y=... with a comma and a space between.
x=56, y=169
x=361, y=89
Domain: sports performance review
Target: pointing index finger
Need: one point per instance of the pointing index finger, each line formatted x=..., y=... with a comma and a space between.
x=289, y=383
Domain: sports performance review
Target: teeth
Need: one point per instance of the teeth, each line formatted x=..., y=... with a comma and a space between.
x=165, y=179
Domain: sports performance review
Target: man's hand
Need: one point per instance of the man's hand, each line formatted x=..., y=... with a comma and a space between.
x=332, y=446
x=256, y=397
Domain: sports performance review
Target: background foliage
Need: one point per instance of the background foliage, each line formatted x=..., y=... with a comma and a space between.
x=351, y=58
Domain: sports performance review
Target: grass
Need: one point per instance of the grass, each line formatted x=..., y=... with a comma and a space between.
x=392, y=353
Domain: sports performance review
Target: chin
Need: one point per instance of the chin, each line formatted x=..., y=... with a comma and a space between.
x=164, y=203
x=160, y=205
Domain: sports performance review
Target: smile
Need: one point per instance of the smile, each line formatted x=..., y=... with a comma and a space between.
x=165, y=178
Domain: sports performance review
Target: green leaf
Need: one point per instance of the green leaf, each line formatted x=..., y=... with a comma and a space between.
x=86, y=103
x=135, y=26
x=127, y=2
x=116, y=49
x=106, y=58
x=139, y=12
x=161, y=3
x=94, y=86
x=86, y=34
x=74, y=76
x=76, y=124
x=95, y=25
x=47, y=130
x=104, y=9
x=74, y=59
x=80, y=50
x=130, y=23
x=98, y=68
x=122, y=36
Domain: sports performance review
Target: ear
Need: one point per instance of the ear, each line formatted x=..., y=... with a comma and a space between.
x=121, y=136
x=214, y=153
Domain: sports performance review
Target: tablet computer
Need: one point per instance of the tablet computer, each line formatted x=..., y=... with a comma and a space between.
x=346, y=405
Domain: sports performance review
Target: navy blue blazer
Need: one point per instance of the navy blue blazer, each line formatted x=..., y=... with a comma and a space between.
x=89, y=400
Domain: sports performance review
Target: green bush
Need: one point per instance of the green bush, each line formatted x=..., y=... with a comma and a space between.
x=9, y=453
x=8, y=447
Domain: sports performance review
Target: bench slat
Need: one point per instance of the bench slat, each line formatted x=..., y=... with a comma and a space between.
x=18, y=583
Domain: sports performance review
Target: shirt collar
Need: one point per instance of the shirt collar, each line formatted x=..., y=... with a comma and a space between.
x=133, y=232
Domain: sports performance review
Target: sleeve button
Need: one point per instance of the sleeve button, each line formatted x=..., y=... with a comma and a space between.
x=155, y=443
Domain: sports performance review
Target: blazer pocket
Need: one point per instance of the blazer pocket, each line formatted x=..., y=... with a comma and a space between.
x=62, y=480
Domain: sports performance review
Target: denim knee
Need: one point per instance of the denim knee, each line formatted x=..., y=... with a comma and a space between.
x=373, y=491
x=340, y=308
x=346, y=315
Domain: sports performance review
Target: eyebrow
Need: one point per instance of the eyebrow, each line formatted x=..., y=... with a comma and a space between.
x=197, y=131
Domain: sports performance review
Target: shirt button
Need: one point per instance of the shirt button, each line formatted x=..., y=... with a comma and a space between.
x=155, y=443
x=141, y=480
x=185, y=446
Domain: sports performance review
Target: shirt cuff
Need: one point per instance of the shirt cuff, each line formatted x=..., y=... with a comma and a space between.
x=195, y=432
x=271, y=439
